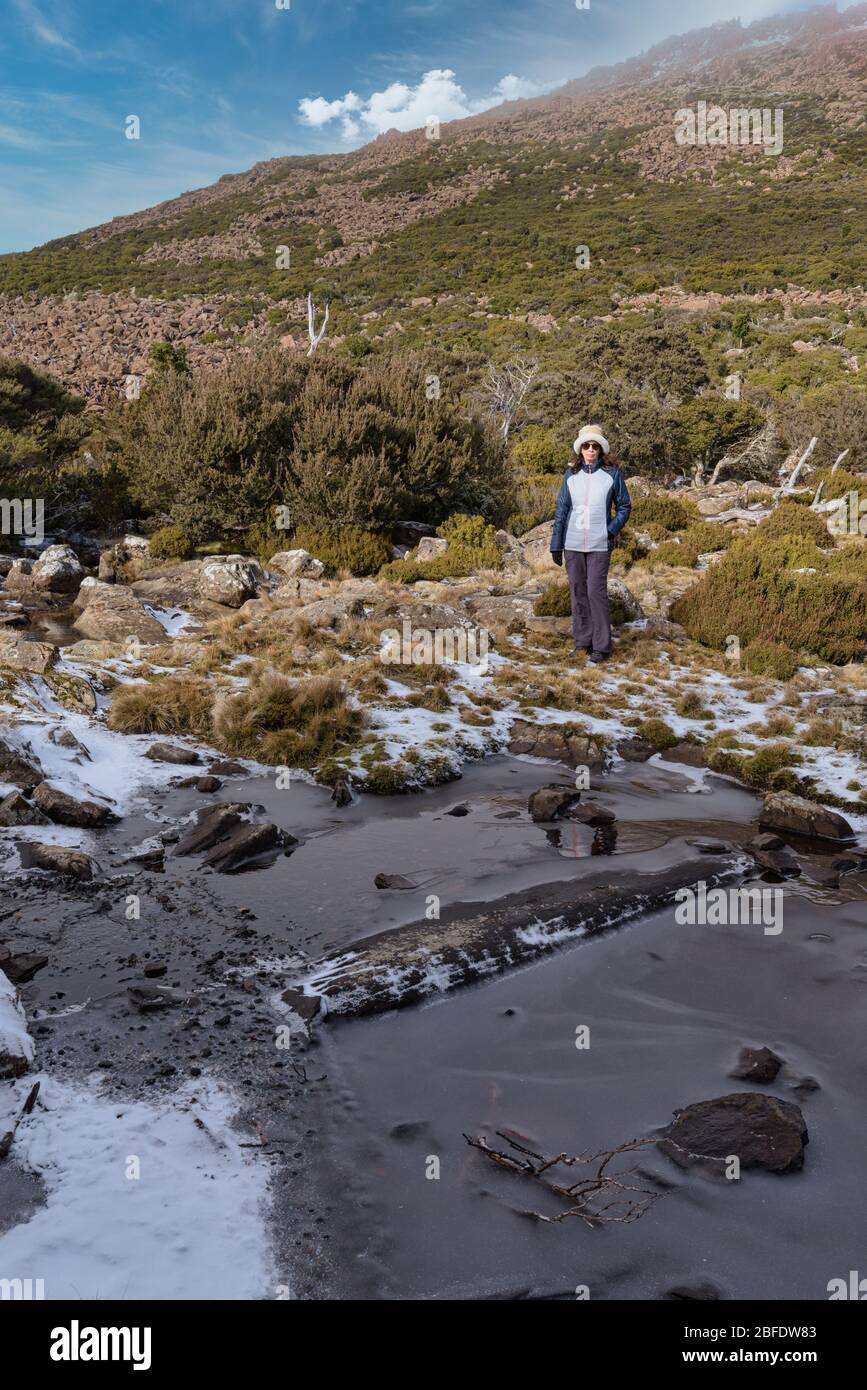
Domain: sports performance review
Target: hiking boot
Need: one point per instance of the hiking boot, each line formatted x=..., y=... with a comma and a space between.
x=596, y=657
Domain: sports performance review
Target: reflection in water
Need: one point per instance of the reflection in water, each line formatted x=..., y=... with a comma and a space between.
x=605, y=840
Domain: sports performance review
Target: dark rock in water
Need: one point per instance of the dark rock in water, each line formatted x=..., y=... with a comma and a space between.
x=553, y=800
x=690, y=754
x=171, y=753
x=591, y=813
x=462, y=809
x=306, y=1006
x=806, y=1086
x=15, y=767
x=393, y=881
x=700, y=1291
x=147, y=998
x=550, y=741
x=823, y=875
x=15, y=810
x=766, y=841
x=794, y=815
x=64, y=809
x=710, y=846
x=341, y=793
x=155, y=970
x=212, y=825
x=226, y=767
x=20, y=969
x=65, y=738
x=246, y=845
x=845, y=863
x=781, y=862
x=71, y=862
x=762, y=1131
x=757, y=1064
x=635, y=750
x=506, y=815
x=208, y=784
x=153, y=859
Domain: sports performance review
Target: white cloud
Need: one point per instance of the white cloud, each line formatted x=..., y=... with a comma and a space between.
x=45, y=32
x=403, y=107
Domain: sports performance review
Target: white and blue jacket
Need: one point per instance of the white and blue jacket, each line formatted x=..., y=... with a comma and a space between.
x=593, y=505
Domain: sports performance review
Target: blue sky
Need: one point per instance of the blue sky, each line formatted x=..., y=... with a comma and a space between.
x=220, y=84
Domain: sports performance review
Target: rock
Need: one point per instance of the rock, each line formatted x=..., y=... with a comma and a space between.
x=227, y=579
x=429, y=547
x=561, y=626
x=690, y=754
x=110, y=612
x=635, y=750
x=591, y=813
x=806, y=1086
x=247, y=845
x=462, y=809
x=295, y=563
x=341, y=793
x=56, y=858
x=620, y=594
x=73, y=692
x=782, y=863
x=762, y=1131
x=155, y=970
x=326, y=612
x=147, y=998
x=22, y=768
x=22, y=654
x=212, y=825
x=511, y=611
x=795, y=815
x=393, y=881
x=171, y=753
x=65, y=738
x=306, y=1006
x=757, y=1064
x=556, y=742
x=64, y=809
x=226, y=767
x=57, y=571
x=765, y=841
x=14, y=810
x=85, y=650
x=127, y=548
x=551, y=801
x=18, y=577
x=536, y=545
x=409, y=533
x=663, y=629
x=21, y=969
x=710, y=846
x=208, y=784
x=16, y=1045
x=152, y=859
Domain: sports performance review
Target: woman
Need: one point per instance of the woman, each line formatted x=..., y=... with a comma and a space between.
x=593, y=506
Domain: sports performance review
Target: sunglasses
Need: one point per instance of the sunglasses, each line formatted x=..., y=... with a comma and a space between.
x=597, y=447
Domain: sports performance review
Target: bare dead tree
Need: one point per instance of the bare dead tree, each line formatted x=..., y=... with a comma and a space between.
x=505, y=387
x=758, y=450
x=313, y=334
x=838, y=460
x=789, y=485
x=599, y=1197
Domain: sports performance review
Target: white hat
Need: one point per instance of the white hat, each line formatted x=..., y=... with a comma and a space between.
x=591, y=432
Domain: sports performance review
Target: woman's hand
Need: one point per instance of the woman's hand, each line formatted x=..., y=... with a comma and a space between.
x=557, y=557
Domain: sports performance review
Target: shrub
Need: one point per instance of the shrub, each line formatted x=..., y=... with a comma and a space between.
x=554, y=601
x=627, y=551
x=674, y=513
x=691, y=706
x=657, y=733
x=754, y=593
x=767, y=769
x=171, y=705
x=706, y=537
x=770, y=659
x=360, y=552
x=793, y=519
x=672, y=553
x=292, y=723
x=170, y=543
x=535, y=499
x=472, y=546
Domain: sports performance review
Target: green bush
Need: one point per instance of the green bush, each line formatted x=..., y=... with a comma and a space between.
x=793, y=519
x=170, y=543
x=535, y=500
x=770, y=659
x=707, y=536
x=672, y=553
x=627, y=551
x=360, y=552
x=554, y=601
x=657, y=733
x=472, y=547
x=755, y=593
x=674, y=513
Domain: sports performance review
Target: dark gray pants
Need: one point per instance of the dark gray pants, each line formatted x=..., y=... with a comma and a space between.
x=588, y=589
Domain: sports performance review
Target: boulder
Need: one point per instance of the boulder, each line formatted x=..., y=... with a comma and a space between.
x=126, y=549
x=620, y=595
x=557, y=742
x=110, y=612
x=15, y=810
x=171, y=753
x=551, y=801
x=227, y=767
x=794, y=815
x=56, y=858
x=16, y=1045
x=393, y=881
x=690, y=754
x=57, y=571
x=536, y=544
x=757, y=1064
x=591, y=813
x=326, y=612
x=296, y=563
x=510, y=611
x=23, y=655
x=73, y=692
x=430, y=547
x=64, y=809
x=212, y=825
x=228, y=579
x=409, y=533
x=18, y=577
x=19, y=767
x=248, y=845
x=635, y=750
x=761, y=1130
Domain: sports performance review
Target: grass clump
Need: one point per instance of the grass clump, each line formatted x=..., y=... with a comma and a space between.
x=770, y=659
x=676, y=553
x=295, y=723
x=657, y=733
x=554, y=601
x=350, y=548
x=172, y=705
x=674, y=513
x=793, y=519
